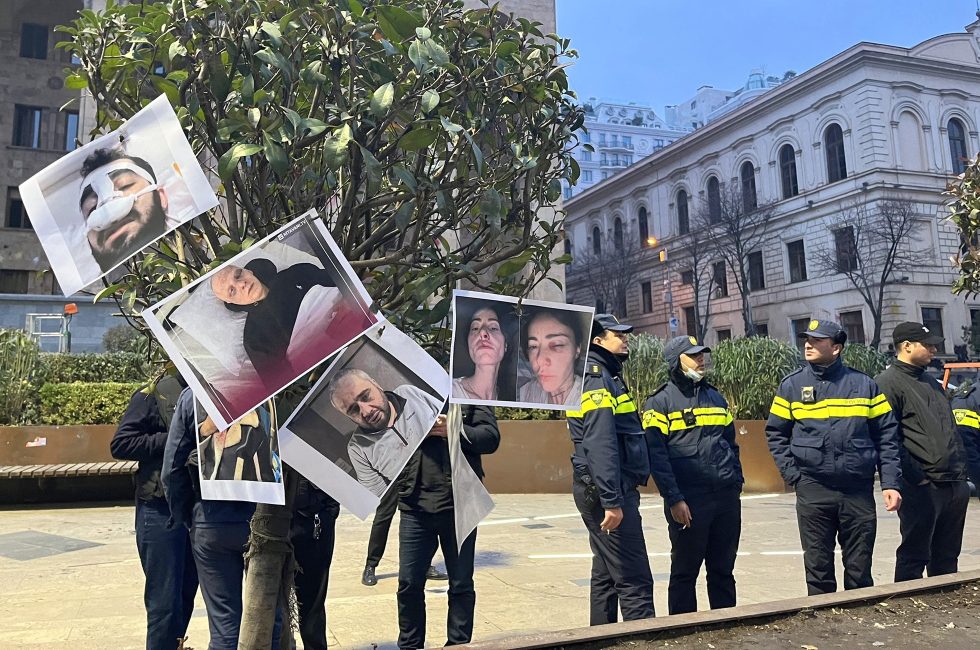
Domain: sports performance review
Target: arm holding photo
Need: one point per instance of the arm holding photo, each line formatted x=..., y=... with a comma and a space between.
x=553, y=349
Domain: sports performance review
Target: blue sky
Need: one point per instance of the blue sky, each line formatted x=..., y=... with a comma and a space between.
x=658, y=52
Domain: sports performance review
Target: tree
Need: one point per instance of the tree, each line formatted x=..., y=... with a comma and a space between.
x=699, y=256
x=735, y=224
x=426, y=137
x=610, y=274
x=964, y=193
x=871, y=247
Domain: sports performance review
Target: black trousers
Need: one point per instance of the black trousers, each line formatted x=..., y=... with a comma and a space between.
x=825, y=513
x=621, y=575
x=419, y=534
x=712, y=540
x=313, y=541
x=932, y=517
x=381, y=526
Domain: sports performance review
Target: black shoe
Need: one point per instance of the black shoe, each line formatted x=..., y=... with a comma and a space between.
x=435, y=574
x=368, y=579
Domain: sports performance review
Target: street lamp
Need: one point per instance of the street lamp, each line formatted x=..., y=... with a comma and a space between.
x=651, y=241
x=70, y=310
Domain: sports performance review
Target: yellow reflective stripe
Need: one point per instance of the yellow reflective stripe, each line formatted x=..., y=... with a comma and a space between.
x=780, y=408
x=967, y=418
x=704, y=416
x=879, y=406
x=624, y=404
x=779, y=401
x=597, y=399
x=701, y=410
x=652, y=418
x=852, y=407
x=574, y=414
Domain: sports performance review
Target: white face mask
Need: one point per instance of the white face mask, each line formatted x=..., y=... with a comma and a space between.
x=111, y=205
x=693, y=375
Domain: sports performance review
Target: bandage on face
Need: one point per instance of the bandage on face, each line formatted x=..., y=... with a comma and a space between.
x=113, y=205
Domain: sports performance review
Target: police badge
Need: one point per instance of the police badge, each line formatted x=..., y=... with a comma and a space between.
x=596, y=398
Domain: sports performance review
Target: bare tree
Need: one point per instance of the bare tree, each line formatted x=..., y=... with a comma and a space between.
x=698, y=256
x=734, y=224
x=872, y=246
x=610, y=273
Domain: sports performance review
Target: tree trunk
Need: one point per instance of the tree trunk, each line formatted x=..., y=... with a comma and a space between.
x=269, y=570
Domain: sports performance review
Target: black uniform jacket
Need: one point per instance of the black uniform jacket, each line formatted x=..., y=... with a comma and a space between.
x=610, y=448
x=966, y=411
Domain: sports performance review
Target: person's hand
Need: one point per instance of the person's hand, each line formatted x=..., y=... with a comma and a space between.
x=893, y=500
x=208, y=427
x=439, y=428
x=681, y=514
x=612, y=520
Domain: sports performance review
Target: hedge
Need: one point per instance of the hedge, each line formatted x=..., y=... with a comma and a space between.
x=84, y=403
x=110, y=367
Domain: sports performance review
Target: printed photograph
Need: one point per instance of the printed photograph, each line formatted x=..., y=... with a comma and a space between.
x=104, y=202
x=362, y=421
x=240, y=463
x=528, y=355
x=255, y=324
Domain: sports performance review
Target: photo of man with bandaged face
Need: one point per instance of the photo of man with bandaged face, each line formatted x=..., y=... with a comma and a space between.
x=103, y=203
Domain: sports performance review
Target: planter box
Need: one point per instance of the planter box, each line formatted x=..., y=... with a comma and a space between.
x=533, y=458
x=83, y=443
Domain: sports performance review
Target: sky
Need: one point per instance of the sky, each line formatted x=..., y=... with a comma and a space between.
x=657, y=52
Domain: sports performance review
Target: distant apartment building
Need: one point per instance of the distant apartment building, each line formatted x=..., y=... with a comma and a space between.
x=872, y=125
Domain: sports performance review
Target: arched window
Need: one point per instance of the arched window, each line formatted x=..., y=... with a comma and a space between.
x=618, y=234
x=957, y=145
x=787, y=171
x=644, y=225
x=596, y=242
x=714, y=200
x=747, y=176
x=683, y=219
x=833, y=142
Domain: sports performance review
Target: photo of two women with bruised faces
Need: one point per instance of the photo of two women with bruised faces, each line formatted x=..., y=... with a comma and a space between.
x=529, y=354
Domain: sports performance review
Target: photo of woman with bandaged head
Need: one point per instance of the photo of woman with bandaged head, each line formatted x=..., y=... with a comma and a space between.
x=104, y=202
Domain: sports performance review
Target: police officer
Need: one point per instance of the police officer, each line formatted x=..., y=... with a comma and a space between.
x=694, y=461
x=829, y=428
x=966, y=410
x=609, y=461
x=934, y=491
x=165, y=554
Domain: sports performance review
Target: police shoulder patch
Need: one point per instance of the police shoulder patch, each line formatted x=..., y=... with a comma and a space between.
x=596, y=398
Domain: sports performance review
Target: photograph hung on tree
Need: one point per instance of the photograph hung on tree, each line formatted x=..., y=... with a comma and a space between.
x=261, y=320
x=104, y=202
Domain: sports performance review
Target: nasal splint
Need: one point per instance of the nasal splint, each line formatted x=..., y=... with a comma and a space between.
x=112, y=205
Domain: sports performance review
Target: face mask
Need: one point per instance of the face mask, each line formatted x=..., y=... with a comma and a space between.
x=111, y=205
x=693, y=375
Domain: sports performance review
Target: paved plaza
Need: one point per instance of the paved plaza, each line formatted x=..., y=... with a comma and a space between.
x=70, y=576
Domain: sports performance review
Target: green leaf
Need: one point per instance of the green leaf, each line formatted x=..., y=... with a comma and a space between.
x=507, y=48
x=371, y=164
x=514, y=265
x=396, y=23
x=404, y=216
x=254, y=116
x=405, y=177
x=451, y=127
x=477, y=154
x=417, y=139
x=228, y=162
x=423, y=33
x=356, y=8
x=76, y=81
x=110, y=290
x=272, y=30
x=312, y=126
x=176, y=49
x=381, y=100
x=248, y=89
x=439, y=312
x=168, y=88
x=276, y=157
x=436, y=53
x=430, y=99
x=417, y=56
x=335, y=149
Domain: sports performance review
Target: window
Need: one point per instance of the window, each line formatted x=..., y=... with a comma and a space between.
x=721, y=279
x=33, y=41
x=724, y=335
x=596, y=241
x=762, y=329
x=690, y=321
x=627, y=141
x=602, y=139
x=787, y=171
x=683, y=220
x=568, y=193
x=757, y=272
x=587, y=157
x=747, y=176
x=16, y=216
x=646, y=295
x=618, y=234
x=586, y=138
x=604, y=160
x=797, y=261
x=27, y=126
x=605, y=175
x=799, y=327
x=932, y=318
x=14, y=281
x=853, y=324
x=587, y=176
x=833, y=142
x=957, y=145
x=568, y=244
x=687, y=277
x=714, y=200
x=846, y=250
x=614, y=141
x=644, y=224
x=71, y=130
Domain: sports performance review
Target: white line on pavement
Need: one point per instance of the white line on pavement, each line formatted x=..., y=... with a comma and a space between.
x=494, y=522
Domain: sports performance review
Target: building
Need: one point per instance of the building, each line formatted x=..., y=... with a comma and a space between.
x=875, y=123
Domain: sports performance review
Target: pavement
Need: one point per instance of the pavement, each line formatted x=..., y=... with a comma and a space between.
x=70, y=576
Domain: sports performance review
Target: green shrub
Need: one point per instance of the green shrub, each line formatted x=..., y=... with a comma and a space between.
x=124, y=367
x=84, y=403
x=645, y=370
x=18, y=359
x=867, y=360
x=748, y=371
x=509, y=413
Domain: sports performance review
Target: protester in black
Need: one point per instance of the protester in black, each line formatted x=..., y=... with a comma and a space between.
x=428, y=521
x=695, y=463
x=935, y=495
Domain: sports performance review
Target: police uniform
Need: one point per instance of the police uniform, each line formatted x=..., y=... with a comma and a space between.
x=966, y=410
x=693, y=458
x=829, y=428
x=610, y=460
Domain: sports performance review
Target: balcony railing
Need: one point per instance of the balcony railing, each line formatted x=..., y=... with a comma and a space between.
x=616, y=145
